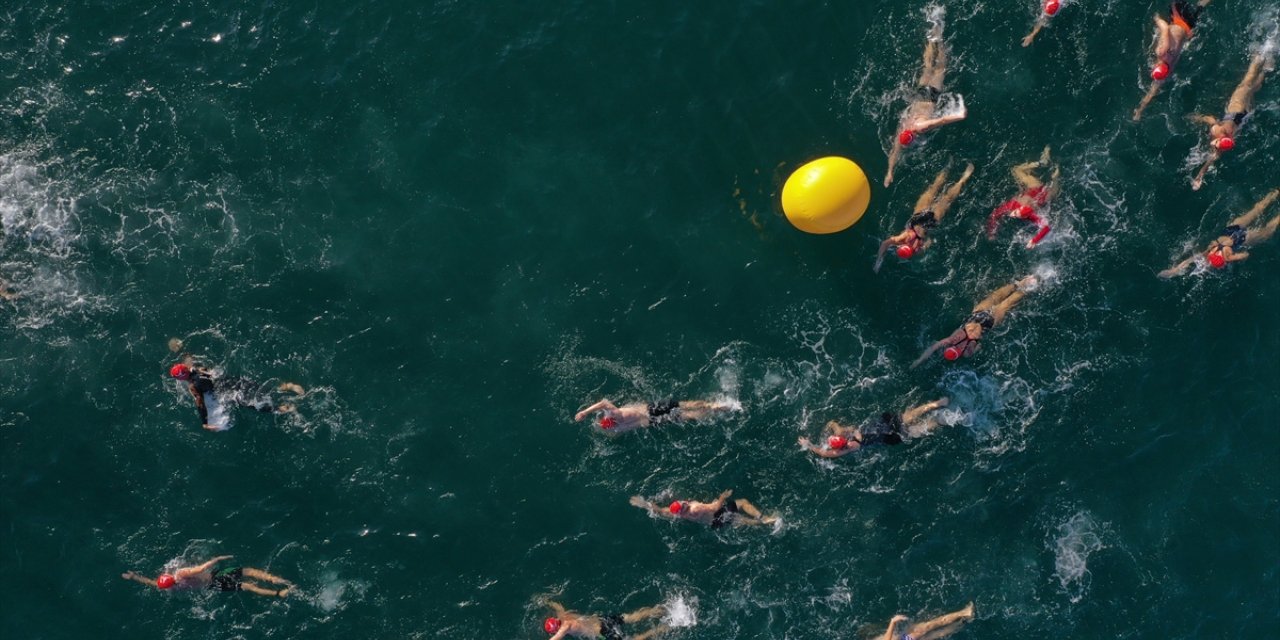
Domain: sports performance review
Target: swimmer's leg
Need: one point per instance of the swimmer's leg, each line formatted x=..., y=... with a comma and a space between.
x=949, y=196
x=1000, y=310
x=942, y=626
x=271, y=593
x=915, y=413
x=927, y=198
x=643, y=614
x=1256, y=212
x=1242, y=97
x=701, y=409
x=995, y=297
x=652, y=633
x=1022, y=173
x=1257, y=236
x=291, y=387
x=259, y=574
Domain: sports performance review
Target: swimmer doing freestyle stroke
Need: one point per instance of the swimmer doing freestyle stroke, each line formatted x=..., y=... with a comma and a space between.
x=987, y=314
x=564, y=624
x=1035, y=196
x=921, y=115
x=716, y=514
x=1235, y=238
x=932, y=205
x=1222, y=133
x=890, y=429
x=1048, y=10
x=205, y=577
x=615, y=419
x=934, y=629
x=1172, y=36
x=240, y=391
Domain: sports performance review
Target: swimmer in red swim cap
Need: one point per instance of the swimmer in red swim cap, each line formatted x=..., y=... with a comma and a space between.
x=205, y=576
x=934, y=629
x=987, y=314
x=1230, y=245
x=615, y=419
x=922, y=114
x=1035, y=196
x=567, y=624
x=239, y=391
x=1172, y=36
x=716, y=514
x=1048, y=9
x=1223, y=133
x=931, y=206
x=889, y=428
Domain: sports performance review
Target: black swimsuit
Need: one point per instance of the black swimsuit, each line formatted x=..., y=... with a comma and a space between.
x=227, y=579
x=722, y=515
x=611, y=627
x=663, y=411
x=1236, y=117
x=887, y=430
x=924, y=220
x=929, y=93
x=1238, y=235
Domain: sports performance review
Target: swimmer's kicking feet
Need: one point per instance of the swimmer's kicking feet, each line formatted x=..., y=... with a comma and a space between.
x=921, y=115
x=204, y=576
x=932, y=205
x=567, y=624
x=1172, y=36
x=1222, y=133
x=1034, y=196
x=1231, y=244
x=1048, y=11
x=240, y=391
x=637, y=415
x=934, y=629
x=890, y=429
x=716, y=514
x=986, y=315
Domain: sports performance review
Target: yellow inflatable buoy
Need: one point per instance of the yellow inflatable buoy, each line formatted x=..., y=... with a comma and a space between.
x=827, y=195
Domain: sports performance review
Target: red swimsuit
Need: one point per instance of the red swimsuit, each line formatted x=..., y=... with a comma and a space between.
x=1015, y=208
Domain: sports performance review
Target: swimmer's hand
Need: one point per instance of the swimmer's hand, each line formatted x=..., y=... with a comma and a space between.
x=804, y=442
x=1168, y=273
x=209, y=427
x=637, y=501
x=580, y=416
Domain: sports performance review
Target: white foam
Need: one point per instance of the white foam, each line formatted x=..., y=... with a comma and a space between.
x=682, y=611
x=1076, y=539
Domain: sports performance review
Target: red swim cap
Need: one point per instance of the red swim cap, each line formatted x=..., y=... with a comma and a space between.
x=837, y=442
x=1025, y=212
x=951, y=353
x=906, y=137
x=165, y=581
x=608, y=423
x=676, y=507
x=1160, y=72
x=1217, y=260
x=1224, y=144
x=905, y=251
x=551, y=625
x=1051, y=7
x=180, y=371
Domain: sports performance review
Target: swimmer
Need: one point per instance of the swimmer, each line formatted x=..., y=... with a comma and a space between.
x=240, y=391
x=1171, y=37
x=1222, y=133
x=934, y=629
x=204, y=576
x=1231, y=244
x=617, y=419
x=986, y=315
x=890, y=429
x=1049, y=10
x=1034, y=195
x=565, y=624
x=716, y=514
x=930, y=208
x=6, y=292
x=920, y=115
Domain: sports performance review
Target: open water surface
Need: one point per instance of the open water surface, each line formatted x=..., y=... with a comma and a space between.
x=456, y=223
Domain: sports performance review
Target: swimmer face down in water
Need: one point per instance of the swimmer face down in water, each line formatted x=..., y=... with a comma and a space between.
x=716, y=514
x=934, y=629
x=1222, y=133
x=1034, y=197
x=204, y=576
x=986, y=315
x=932, y=205
x=246, y=393
x=1048, y=9
x=890, y=429
x=615, y=419
x=921, y=115
x=1172, y=36
x=566, y=624
x=1231, y=245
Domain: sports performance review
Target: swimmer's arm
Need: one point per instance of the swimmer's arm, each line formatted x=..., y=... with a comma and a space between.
x=556, y=608
x=938, y=122
x=934, y=347
x=1199, y=179
x=884, y=246
x=1026, y=42
x=888, y=634
x=1177, y=269
x=188, y=571
x=564, y=631
x=603, y=404
x=1201, y=118
x=129, y=575
x=894, y=153
x=652, y=507
x=823, y=452
x=1237, y=256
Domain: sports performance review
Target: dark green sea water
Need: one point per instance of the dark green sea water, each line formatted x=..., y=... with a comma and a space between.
x=457, y=223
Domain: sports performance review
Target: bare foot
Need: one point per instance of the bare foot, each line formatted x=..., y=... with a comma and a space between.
x=291, y=387
x=175, y=344
x=283, y=593
x=968, y=611
x=942, y=402
x=1027, y=284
